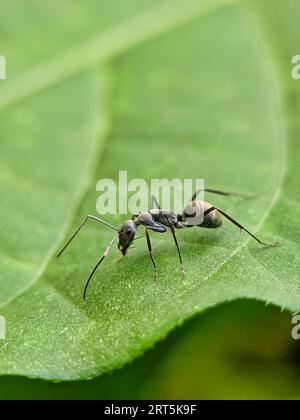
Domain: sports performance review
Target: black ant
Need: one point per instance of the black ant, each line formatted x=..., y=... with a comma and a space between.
x=160, y=221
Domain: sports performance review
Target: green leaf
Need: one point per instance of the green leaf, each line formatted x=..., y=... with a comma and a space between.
x=200, y=95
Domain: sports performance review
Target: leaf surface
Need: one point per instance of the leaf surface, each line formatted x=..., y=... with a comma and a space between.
x=204, y=99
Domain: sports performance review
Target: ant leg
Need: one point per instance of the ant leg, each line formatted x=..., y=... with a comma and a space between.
x=224, y=193
x=177, y=246
x=238, y=225
x=106, y=252
x=157, y=227
x=150, y=251
x=81, y=226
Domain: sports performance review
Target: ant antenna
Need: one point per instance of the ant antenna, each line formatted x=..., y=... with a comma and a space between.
x=106, y=252
x=80, y=227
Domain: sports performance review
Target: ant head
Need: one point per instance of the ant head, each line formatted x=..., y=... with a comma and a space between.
x=127, y=233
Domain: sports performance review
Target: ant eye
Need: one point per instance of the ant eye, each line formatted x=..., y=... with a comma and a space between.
x=128, y=231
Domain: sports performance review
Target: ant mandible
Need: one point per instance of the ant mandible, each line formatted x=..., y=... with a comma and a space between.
x=160, y=221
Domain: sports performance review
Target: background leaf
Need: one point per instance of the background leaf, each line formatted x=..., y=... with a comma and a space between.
x=222, y=105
